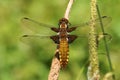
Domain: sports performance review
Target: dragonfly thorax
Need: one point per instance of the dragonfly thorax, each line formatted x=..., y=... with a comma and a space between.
x=63, y=33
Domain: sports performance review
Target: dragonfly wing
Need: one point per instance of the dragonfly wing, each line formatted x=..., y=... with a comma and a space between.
x=36, y=39
x=85, y=27
x=105, y=20
x=35, y=26
x=41, y=46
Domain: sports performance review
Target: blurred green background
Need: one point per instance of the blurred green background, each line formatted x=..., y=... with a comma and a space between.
x=19, y=61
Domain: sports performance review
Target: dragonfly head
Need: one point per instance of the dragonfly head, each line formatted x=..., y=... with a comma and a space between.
x=63, y=22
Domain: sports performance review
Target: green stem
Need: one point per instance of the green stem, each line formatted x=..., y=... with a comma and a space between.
x=105, y=42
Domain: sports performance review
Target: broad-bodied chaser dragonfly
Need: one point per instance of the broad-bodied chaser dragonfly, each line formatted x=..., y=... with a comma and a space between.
x=63, y=37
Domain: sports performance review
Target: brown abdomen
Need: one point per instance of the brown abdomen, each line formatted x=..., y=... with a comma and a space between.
x=63, y=52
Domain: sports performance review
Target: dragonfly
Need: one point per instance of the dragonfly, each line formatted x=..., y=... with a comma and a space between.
x=62, y=38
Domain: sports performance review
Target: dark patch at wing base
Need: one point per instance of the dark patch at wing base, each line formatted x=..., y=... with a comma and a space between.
x=55, y=39
x=71, y=38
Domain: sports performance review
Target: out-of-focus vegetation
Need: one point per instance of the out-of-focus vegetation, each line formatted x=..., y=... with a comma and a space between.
x=19, y=61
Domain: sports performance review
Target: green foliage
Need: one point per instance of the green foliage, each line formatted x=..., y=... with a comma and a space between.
x=19, y=61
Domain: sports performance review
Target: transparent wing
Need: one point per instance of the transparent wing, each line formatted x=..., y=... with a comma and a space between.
x=40, y=45
x=83, y=31
x=84, y=28
x=105, y=20
x=35, y=26
x=30, y=39
x=41, y=42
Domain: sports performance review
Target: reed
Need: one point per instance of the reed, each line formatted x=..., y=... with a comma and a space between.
x=93, y=68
